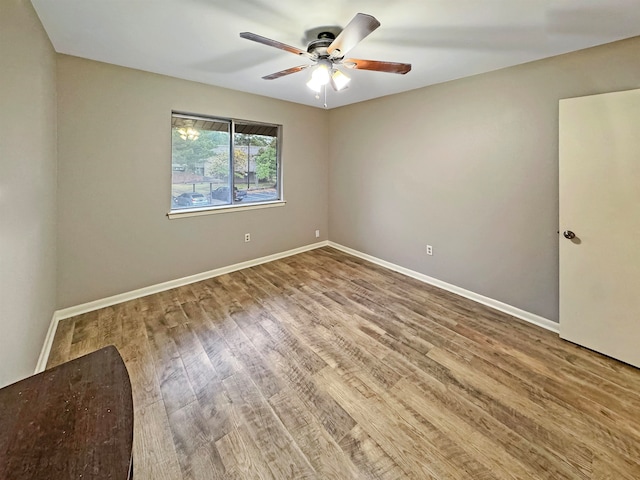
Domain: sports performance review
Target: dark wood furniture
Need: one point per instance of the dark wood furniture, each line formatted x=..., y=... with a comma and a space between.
x=73, y=421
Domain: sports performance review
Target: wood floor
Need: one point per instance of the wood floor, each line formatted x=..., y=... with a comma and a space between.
x=324, y=366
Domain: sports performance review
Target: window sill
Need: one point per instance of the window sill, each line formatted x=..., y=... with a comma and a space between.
x=192, y=212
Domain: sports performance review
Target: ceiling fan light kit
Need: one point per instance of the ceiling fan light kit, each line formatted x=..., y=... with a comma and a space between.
x=321, y=73
x=328, y=51
x=325, y=73
x=339, y=81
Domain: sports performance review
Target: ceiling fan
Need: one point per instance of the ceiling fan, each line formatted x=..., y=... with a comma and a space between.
x=327, y=52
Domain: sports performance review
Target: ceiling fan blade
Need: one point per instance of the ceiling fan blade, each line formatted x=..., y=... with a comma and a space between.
x=288, y=71
x=274, y=43
x=390, y=67
x=358, y=28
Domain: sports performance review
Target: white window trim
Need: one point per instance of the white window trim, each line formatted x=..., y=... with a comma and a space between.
x=196, y=212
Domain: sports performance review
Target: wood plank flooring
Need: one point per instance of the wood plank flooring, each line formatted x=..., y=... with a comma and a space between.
x=324, y=366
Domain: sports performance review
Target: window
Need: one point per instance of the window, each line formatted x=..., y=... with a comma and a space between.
x=221, y=163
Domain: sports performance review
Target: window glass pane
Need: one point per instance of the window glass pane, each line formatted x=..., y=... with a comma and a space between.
x=256, y=163
x=209, y=170
x=200, y=162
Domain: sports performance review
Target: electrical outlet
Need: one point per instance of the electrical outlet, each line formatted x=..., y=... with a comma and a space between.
x=429, y=250
x=317, y=233
x=247, y=237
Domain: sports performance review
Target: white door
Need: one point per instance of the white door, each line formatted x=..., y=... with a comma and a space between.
x=600, y=204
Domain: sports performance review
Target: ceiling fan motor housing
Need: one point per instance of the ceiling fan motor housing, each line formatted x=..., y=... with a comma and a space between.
x=319, y=46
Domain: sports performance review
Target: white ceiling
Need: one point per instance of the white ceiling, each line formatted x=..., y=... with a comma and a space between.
x=443, y=39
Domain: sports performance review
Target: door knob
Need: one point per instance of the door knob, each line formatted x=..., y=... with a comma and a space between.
x=568, y=234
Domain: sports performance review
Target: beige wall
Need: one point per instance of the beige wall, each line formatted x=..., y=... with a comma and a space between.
x=115, y=175
x=27, y=188
x=470, y=167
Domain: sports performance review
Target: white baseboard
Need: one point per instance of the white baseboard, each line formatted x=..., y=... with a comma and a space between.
x=161, y=287
x=48, y=342
x=489, y=302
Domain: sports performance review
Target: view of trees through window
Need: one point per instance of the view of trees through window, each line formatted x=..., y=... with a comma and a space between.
x=213, y=158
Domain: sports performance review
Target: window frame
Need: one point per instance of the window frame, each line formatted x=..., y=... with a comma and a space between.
x=234, y=206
